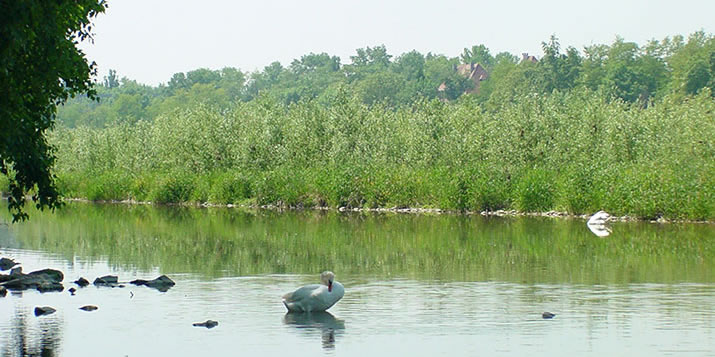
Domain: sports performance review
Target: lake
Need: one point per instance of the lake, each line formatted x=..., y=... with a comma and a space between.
x=420, y=285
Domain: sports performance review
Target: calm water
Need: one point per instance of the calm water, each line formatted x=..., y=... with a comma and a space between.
x=415, y=285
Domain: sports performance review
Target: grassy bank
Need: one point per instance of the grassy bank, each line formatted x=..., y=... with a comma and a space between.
x=575, y=152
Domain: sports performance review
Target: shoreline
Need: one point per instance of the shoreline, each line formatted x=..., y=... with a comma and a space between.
x=395, y=210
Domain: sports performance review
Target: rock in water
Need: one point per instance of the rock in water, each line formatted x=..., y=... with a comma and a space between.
x=207, y=324
x=162, y=283
x=72, y=291
x=44, y=310
x=3, y=291
x=548, y=315
x=107, y=280
x=43, y=280
x=88, y=308
x=6, y=263
x=51, y=274
x=82, y=282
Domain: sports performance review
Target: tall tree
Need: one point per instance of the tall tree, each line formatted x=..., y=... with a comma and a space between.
x=111, y=81
x=478, y=54
x=366, y=61
x=693, y=64
x=560, y=71
x=411, y=65
x=40, y=68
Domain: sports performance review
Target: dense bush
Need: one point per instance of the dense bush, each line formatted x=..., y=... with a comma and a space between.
x=577, y=152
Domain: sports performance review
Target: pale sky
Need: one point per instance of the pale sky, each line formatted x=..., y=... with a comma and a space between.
x=150, y=40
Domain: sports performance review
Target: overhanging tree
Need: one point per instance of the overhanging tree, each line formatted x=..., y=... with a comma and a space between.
x=40, y=68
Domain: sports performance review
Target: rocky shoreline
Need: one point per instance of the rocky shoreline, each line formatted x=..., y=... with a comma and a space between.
x=400, y=210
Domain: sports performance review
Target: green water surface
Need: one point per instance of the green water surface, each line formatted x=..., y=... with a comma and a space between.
x=219, y=242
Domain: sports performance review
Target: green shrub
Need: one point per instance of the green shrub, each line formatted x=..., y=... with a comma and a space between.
x=111, y=185
x=173, y=187
x=580, y=189
x=535, y=191
x=230, y=187
x=142, y=186
x=489, y=189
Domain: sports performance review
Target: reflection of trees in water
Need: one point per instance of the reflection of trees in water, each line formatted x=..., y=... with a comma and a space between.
x=30, y=336
x=7, y=239
x=323, y=322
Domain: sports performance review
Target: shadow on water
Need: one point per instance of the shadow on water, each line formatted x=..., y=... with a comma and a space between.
x=31, y=336
x=313, y=323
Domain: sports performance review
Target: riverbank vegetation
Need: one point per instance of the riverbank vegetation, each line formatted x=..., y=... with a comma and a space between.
x=623, y=128
x=576, y=152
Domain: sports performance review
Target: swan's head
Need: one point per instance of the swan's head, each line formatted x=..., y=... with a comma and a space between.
x=327, y=278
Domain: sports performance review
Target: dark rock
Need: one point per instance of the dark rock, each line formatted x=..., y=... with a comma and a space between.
x=44, y=310
x=207, y=324
x=43, y=280
x=548, y=315
x=107, y=280
x=3, y=291
x=82, y=282
x=72, y=291
x=88, y=308
x=46, y=288
x=162, y=283
x=6, y=263
x=54, y=275
x=16, y=271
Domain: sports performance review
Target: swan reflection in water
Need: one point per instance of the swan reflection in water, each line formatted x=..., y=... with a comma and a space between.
x=598, y=224
x=323, y=322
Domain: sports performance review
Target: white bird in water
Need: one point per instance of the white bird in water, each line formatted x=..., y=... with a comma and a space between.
x=600, y=217
x=315, y=297
x=597, y=224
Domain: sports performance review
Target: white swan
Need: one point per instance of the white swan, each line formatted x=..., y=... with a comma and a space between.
x=597, y=224
x=599, y=218
x=315, y=297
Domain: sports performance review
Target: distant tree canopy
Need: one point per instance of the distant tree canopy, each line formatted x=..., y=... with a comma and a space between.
x=622, y=70
x=40, y=68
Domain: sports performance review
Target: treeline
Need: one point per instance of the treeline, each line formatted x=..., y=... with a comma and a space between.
x=620, y=127
x=578, y=152
x=622, y=70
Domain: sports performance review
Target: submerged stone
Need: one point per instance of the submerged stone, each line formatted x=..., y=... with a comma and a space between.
x=162, y=283
x=548, y=315
x=107, y=280
x=44, y=310
x=207, y=324
x=88, y=308
x=82, y=282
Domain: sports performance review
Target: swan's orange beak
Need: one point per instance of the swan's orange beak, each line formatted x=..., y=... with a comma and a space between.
x=330, y=286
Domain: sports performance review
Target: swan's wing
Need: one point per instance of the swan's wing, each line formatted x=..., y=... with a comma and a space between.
x=300, y=294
